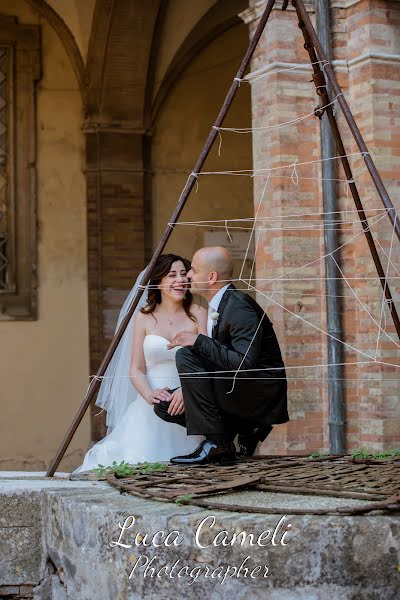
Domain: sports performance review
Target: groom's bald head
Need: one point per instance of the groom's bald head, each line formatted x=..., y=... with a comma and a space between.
x=216, y=258
x=211, y=269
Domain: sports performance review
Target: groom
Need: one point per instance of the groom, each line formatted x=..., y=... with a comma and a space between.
x=241, y=340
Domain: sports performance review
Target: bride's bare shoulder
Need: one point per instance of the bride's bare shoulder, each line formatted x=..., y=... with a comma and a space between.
x=141, y=318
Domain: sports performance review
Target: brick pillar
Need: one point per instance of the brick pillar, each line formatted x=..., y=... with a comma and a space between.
x=367, y=53
x=279, y=97
x=115, y=235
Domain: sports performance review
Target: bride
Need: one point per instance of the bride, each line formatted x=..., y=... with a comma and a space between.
x=142, y=372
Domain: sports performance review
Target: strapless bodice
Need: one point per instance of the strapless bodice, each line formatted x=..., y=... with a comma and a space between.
x=156, y=351
x=161, y=369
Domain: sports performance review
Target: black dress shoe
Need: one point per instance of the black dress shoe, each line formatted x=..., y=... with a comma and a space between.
x=208, y=453
x=249, y=441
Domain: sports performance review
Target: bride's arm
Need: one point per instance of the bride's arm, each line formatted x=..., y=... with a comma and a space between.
x=137, y=369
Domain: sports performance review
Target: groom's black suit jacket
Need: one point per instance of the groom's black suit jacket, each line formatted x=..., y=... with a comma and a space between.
x=244, y=337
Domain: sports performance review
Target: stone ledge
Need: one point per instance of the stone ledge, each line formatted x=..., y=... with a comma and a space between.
x=65, y=550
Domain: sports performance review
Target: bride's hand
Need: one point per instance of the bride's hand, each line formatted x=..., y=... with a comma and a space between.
x=183, y=338
x=156, y=396
x=176, y=405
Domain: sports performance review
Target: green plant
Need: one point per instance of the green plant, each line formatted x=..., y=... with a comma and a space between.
x=124, y=469
x=99, y=470
x=146, y=467
x=317, y=454
x=184, y=499
x=363, y=453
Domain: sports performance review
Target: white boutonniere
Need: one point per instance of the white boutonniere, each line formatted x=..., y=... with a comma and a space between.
x=214, y=316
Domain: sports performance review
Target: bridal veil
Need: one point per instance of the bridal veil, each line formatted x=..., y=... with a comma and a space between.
x=116, y=390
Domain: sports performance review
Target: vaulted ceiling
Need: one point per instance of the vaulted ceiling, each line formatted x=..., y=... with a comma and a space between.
x=118, y=58
x=128, y=53
x=126, y=85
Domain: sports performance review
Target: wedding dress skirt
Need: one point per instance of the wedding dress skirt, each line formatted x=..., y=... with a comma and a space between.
x=141, y=436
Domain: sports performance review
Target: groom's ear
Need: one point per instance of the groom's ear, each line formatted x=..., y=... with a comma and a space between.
x=213, y=277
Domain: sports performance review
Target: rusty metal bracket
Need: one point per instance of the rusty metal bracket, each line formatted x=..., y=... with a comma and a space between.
x=319, y=111
x=319, y=82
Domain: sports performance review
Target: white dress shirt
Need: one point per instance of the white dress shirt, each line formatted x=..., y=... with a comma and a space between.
x=213, y=307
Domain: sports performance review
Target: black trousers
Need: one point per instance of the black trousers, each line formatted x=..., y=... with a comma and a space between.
x=203, y=414
x=161, y=411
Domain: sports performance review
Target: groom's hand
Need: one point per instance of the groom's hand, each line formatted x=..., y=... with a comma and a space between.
x=176, y=406
x=183, y=338
x=156, y=396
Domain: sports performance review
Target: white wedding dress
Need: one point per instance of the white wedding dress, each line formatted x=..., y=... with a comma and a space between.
x=141, y=436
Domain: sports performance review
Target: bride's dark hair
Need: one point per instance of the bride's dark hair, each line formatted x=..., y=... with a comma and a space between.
x=161, y=268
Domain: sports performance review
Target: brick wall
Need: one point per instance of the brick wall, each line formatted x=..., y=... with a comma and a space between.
x=366, y=53
x=372, y=47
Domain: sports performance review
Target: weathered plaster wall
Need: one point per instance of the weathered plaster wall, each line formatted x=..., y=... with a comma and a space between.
x=181, y=17
x=181, y=129
x=44, y=363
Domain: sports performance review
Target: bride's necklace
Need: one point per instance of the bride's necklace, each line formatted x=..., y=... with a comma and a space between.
x=171, y=320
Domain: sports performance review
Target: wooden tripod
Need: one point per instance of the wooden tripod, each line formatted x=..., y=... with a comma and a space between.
x=316, y=53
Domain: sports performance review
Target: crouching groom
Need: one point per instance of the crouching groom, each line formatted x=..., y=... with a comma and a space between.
x=241, y=339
